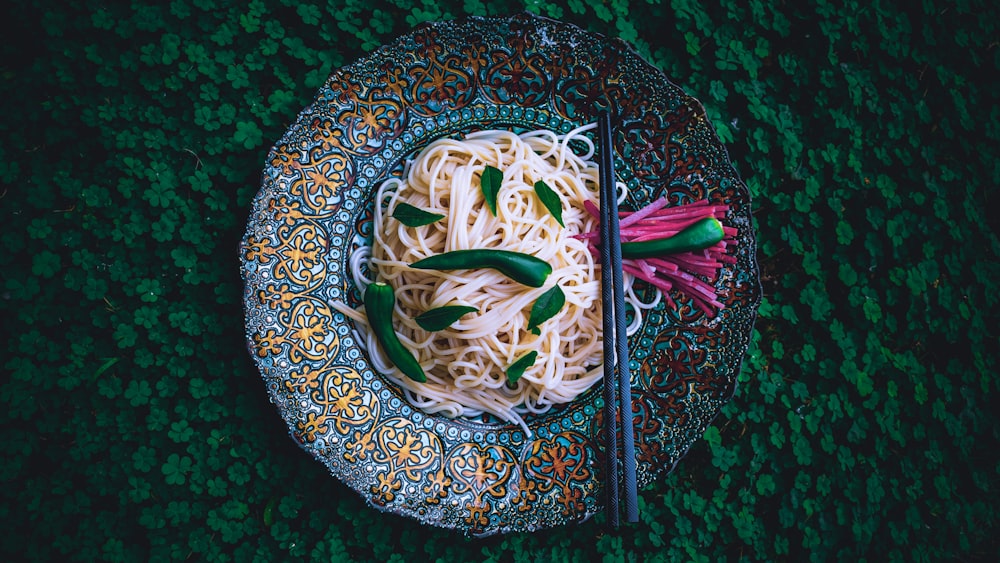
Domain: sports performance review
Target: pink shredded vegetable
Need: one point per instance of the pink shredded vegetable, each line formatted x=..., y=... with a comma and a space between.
x=692, y=273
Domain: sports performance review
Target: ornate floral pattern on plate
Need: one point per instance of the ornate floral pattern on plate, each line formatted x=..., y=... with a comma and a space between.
x=314, y=207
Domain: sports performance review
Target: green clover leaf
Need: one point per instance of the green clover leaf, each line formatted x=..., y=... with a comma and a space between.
x=46, y=264
x=176, y=468
x=140, y=489
x=248, y=134
x=180, y=431
x=143, y=458
x=138, y=392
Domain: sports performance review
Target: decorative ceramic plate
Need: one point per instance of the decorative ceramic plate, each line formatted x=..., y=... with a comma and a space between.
x=315, y=206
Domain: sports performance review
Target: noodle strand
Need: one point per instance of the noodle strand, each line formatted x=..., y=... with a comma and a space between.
x=466, y=363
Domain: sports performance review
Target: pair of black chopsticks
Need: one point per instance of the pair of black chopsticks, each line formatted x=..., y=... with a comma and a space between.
x=617, y=376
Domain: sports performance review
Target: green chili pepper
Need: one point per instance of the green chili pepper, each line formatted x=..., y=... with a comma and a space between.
x=697, y=236
x=379, y=302
x=522, y=268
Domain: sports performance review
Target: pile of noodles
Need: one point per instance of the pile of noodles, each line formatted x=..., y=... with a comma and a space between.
x=467, y=362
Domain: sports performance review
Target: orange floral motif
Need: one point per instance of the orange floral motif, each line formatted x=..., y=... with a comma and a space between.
x=316, y=180
x=375, y=118
x=258, y=250
x=360, y=447
x=392, y=80
x=301, y=245
x=571, y=501
x=301, y=254
x=320, y=181
x=308, y=428
x=384, y=490
x=477, y=518
x=372, y=122
x=437, y=486
x=483, y=470
x=428, y=47
x=345, y=405
x=442, y=87
x=326, y=132
x=561, y=465
x=345, y=87
x=439, y=84
x=283, y=160
x=286, y=210
x=308, y=331
x=269, y=343
x=303, y=381
x=527, y=495
x=275, y=296
x=404, y=452
x=349, y=399
x=304, y=255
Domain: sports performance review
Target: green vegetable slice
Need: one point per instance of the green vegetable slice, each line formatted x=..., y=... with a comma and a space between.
x=379, y=302
x=441, y=318
x=546, y=307
x=517, y=369
x=520, y=267
x=550, y=199
x=698, y=236
x=490, y=184
x=412, y=216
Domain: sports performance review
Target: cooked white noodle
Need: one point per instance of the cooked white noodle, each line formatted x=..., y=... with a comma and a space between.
x=467, y=362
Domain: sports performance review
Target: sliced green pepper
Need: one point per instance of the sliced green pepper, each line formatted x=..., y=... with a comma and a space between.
x=379, y=302
x=522, y=268
x=697, y=236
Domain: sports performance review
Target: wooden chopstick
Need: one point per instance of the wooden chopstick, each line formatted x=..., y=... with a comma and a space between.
x=617, y=390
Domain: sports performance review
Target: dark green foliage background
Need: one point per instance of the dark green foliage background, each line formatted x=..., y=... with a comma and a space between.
x=136, y=427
